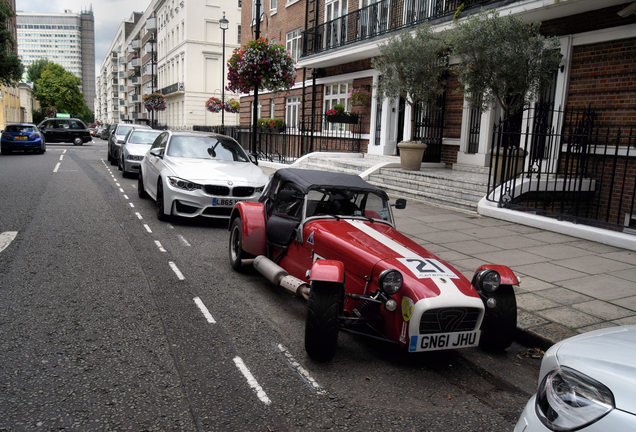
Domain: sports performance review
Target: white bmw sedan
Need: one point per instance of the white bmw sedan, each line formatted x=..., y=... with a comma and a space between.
x=193, y=174
x=587, y=383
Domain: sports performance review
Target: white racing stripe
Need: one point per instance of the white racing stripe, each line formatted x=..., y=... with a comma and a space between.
x=6, y=238
x=260, y=393
x=204, y=310
x=304, y=374
x=176, y=270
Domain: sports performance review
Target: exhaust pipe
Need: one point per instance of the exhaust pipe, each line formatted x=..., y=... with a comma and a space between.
x=279, y=277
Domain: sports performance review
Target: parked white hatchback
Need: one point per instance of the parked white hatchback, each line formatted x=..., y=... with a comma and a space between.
x=587, y=383
x=193, y=174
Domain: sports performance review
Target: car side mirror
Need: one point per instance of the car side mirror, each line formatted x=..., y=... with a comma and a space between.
x=156, y=152
x=252, y=157
x=400, y=203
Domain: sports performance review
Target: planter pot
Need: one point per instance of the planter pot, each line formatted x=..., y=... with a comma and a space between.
x=343, y=118
x=411, y=153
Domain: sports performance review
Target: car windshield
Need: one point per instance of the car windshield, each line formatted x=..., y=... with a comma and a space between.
x=143, y=137
x=19, y=128
x=123, y=130
x=205, y=147
x=344, y=202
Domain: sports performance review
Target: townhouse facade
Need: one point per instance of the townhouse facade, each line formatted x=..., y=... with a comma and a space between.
x=174, y=48
x=10, y=95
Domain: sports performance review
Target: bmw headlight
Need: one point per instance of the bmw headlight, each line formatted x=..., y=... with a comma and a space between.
x=390, y=281
x=568, y=400
x=487, y=280
x=183, y=184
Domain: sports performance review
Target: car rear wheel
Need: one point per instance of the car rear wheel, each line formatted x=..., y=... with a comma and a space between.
x=140, y=187
x=236, y=244
x=321, y=327
x=500, y=323
x=78, y=141
x=159, y=204
x=120, y=164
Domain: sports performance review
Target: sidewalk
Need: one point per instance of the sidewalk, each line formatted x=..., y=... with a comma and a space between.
x=568, y=285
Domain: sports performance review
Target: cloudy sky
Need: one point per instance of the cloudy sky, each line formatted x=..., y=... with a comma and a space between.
x=108, y=15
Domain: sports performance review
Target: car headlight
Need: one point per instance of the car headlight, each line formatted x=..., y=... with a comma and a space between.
x=390, y=281
x=487, y=280
x=568, y=400
x=183, y=184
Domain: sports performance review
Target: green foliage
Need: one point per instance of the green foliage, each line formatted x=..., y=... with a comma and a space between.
x=270, y=123
x=503, y=59
x=34, y=72
x=60, y=88
x=412, y=66
x=11, y=67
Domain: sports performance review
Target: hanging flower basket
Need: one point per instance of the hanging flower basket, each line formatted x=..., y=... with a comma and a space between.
x=51, y=111
x=359, y=97
x=155, y=102
x=263, y=63
x=232, y=106
x=214, y=104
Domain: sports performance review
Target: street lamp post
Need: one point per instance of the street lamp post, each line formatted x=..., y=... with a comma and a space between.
x=152, y=75
x=224, y=24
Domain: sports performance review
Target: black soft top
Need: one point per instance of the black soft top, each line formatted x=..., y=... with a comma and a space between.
x=307, y=180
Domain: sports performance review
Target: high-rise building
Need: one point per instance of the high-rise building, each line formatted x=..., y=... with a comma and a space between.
x=67, y=39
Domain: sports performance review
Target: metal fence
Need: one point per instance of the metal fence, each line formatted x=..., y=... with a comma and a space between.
x=583, y=172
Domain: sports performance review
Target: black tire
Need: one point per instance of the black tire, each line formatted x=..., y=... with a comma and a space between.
x=321, y=326
x=140, y=187
x=236, y=252
x=78, y=141
x=159, y=204
x=113, y=161
x=500, y=323
x=120, y=164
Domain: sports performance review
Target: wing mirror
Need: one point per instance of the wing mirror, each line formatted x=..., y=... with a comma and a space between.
x=252, y=157
x=400, y=203
x=156, y=152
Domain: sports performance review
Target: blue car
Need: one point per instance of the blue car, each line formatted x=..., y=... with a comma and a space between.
x=22, y=136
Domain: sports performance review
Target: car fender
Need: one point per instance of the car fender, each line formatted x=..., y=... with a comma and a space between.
x=507, y=275
x=327, y=271
x=252, y=216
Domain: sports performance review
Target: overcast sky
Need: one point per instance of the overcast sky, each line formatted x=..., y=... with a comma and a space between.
x=108, y=15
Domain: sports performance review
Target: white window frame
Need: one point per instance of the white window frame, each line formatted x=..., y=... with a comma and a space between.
x=292, y=110
x=339, y=96
x=293, y=40
x=273, y=6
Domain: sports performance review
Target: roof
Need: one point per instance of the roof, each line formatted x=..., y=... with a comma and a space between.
x=307, y=180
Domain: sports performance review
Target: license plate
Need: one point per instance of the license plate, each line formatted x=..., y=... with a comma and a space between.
x=442, y=341
x=223, y=202
x=20, y=137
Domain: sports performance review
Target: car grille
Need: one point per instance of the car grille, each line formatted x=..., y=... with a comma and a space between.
x=447, y=320
x=242, y=191
x=217, y=190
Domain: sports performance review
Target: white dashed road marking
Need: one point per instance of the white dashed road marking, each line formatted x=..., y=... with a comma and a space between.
x=304, y=374
x=61, y=157
x=121, y=190
x=159, y=246
x=148, y=228
x=204, y=310
x=176, y=270
x=183, y=240
x=131, y=205
x=57, y=167
x=260, y=393
x=125, y=196
x=138, y=215
x=6, y=238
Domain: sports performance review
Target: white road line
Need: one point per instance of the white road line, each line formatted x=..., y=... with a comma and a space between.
x=6, y=238
x=57, y=167
x=121, y=190
x=159, y=246
x=61, y=157
x=204, y=310
x=64, y=152
x=131, y=205
x=148, y=228
x=176, y=270
x=134, y=186
x=117, y=184
x=304, y=374
x=139, y=216
x=183, y=240
x=125, y=196
x=170, y=226
x=260, y=393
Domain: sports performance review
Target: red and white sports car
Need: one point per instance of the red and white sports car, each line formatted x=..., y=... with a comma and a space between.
x=331, y=239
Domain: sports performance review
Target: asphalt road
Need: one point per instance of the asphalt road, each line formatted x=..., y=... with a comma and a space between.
x=112, y=320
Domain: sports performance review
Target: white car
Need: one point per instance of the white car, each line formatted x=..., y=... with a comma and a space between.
x=136, y=144
x=193, y=174
x=587, y=383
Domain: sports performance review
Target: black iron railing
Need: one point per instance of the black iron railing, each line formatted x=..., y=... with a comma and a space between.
x=583, y=173
x=379, y=18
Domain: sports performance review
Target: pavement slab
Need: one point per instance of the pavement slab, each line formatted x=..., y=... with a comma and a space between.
x=603, y=287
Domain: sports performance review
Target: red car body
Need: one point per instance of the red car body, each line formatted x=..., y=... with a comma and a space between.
x=436, y=307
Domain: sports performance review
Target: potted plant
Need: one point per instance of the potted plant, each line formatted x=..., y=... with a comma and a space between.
x=154, y=102
x=359, y=97
x=271, y=124
x=214, y=104
x=337, y=114
x=232, y=106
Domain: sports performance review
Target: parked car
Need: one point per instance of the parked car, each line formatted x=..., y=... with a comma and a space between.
x=116, y=140
x=106, y=131
x=587, y=383
x=136, y=144
x=198, y=174
x=331, y=238
x=22, y=136
x=65, y=130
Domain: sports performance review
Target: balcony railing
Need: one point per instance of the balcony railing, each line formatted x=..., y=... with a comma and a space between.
x=174, y=88
x=384, y=16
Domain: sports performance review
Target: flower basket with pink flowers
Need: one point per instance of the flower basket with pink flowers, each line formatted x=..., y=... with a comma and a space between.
x=154, y=102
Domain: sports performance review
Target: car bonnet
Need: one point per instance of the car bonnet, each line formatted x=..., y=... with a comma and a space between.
x=608, y=356
x=137, y=149
x=207, y=170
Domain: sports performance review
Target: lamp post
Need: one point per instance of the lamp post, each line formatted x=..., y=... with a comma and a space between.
x=152, y=75
x=224, y=24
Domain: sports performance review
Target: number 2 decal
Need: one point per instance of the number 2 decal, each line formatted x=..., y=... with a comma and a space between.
x=427, y=268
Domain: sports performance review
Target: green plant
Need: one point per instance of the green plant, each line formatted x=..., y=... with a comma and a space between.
x=270, y=123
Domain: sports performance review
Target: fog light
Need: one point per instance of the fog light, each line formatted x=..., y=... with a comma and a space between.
x=390, y=305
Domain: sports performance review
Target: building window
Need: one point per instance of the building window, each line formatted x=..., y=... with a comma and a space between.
x=272, y=108
x=293, y=43
x=292, y=107
x=273, y=5
x=238, y=38
x=336, y=94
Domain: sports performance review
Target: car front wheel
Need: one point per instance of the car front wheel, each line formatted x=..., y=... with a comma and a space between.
x=321, y=327
x=159, y=204
x=140, y=187
x=236, y=244
x=500, y=322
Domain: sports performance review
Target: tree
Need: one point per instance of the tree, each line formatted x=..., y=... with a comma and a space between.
x=11, y=67
x=412, y=66
x=34, y=72
x=60, y=88
x=503, y=60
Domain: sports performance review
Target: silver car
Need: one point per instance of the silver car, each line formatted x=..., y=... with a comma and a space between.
x=116, y=139
x=136, y=144
x=587, y=383
x=192, y=174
